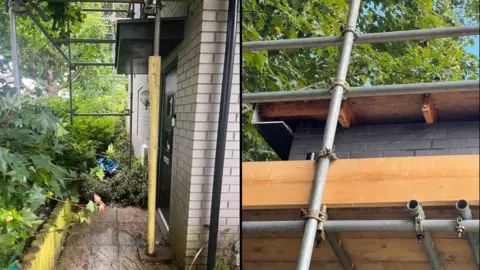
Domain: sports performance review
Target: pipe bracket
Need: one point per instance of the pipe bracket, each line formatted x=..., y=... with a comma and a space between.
x=330, y=153
x=460, y=228
x=349, y=28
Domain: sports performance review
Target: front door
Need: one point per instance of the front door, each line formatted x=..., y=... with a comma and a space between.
x=166, y=143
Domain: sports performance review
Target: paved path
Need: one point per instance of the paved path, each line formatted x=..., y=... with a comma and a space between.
x=110, y=242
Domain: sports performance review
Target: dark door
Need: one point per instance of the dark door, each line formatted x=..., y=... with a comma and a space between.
x=167, y=123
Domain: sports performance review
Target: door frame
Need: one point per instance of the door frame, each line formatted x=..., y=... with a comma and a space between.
x=164, y=72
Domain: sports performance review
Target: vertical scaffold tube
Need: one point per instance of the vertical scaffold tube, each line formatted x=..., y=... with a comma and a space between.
x=329, y=135
x=154, y=75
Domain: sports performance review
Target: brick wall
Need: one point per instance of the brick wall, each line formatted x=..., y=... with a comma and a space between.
x=391, y=140
x=199, y=77
x=204, y=115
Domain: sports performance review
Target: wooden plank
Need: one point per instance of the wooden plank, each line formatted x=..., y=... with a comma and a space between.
x=312, y=109
x=346, y=117
x=360, y=250
x=375, y=182
x=428, y=109
x=457, y=106
x=281, y=250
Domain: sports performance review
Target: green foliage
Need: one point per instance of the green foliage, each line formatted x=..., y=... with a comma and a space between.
x=39, y=161
x=377, y=64
x=95, y=129
x=128, y=186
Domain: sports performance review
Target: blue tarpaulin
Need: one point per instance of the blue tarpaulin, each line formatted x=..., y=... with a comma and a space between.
x=107, y=165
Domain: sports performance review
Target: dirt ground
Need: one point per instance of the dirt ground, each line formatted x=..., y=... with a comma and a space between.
x=110, y=242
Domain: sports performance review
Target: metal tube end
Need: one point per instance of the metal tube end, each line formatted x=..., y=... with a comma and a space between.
x=463, y=209
x=414, y=208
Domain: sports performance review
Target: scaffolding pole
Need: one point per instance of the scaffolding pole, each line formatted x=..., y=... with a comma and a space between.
x=14, y=47
x=425, y=238
x=101, y=114
x=70, y=83
x=339, y=226
x=96, y=1
x=86, y=40
x=370, y=38
x=105, y=10
x=364, y=91
x=154, y=75
x=93, y=64
x=463, y=210
x=329, y=135
x=44, y=31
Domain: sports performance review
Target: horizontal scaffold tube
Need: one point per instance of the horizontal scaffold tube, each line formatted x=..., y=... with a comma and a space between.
x=370, y=38
x=101, y=114
x=363, y=91
x=87, y=40
x=93, y=64
x=361, y=226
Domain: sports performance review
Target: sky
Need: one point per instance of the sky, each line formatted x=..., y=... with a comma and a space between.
x=474, y=49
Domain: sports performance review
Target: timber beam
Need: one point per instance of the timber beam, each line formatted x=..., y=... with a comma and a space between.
x=428, y=109
x=310, y=109
x=373, y=182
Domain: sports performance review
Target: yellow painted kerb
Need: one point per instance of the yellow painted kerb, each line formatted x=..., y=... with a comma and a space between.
x=46, y=247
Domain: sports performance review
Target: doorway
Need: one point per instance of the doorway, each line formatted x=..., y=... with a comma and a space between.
x=167, y=124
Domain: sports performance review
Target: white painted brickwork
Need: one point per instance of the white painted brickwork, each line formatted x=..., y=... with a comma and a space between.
x=199, y=77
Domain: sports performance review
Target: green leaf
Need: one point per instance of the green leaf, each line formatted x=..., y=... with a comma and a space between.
x=60, y=130
x=36, y=197
x=74, y=199
x=90, y=206
x=4, y=159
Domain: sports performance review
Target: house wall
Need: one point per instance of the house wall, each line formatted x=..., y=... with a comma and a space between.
x=199, y=77
x=399, y=140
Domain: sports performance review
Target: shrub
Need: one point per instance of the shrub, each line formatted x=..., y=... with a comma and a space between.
x=39, y=162
x=129, y=185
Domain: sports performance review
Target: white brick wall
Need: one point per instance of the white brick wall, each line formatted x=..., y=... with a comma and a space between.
x=199, y=77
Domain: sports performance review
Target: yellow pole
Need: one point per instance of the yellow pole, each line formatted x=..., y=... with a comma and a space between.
x=154, y=71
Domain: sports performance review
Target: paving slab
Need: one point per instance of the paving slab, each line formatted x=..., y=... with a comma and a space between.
x=111, y=241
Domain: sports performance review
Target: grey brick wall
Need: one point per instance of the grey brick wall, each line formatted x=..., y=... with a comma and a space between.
x=199, y=77
x=400, y=140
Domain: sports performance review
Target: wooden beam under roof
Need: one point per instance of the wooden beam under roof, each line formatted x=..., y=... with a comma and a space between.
x=312, y=109
x=372, y=182
x=428, y=109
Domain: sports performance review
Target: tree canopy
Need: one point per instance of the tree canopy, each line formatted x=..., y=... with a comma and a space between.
x=375, y=64
x=94, y=89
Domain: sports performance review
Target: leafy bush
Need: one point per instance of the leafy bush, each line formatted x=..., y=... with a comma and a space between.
x=39, y=162
x=129, y=185
x=97, y=129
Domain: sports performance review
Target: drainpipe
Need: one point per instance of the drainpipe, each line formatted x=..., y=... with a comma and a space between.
x=465, y=213
x=338, y=88
x=222, y=131
x=154, y=64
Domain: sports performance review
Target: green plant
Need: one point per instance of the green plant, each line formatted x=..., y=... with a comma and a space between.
x=39, y=162
x=227, y=255
x=376, y=64
x=128, y=185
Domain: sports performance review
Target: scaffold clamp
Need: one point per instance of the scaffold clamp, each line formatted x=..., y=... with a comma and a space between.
x=330, y=153
x=419, y=228
x=334, y=82
x=321, y=216
x=460, y=228
x=348, y=28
